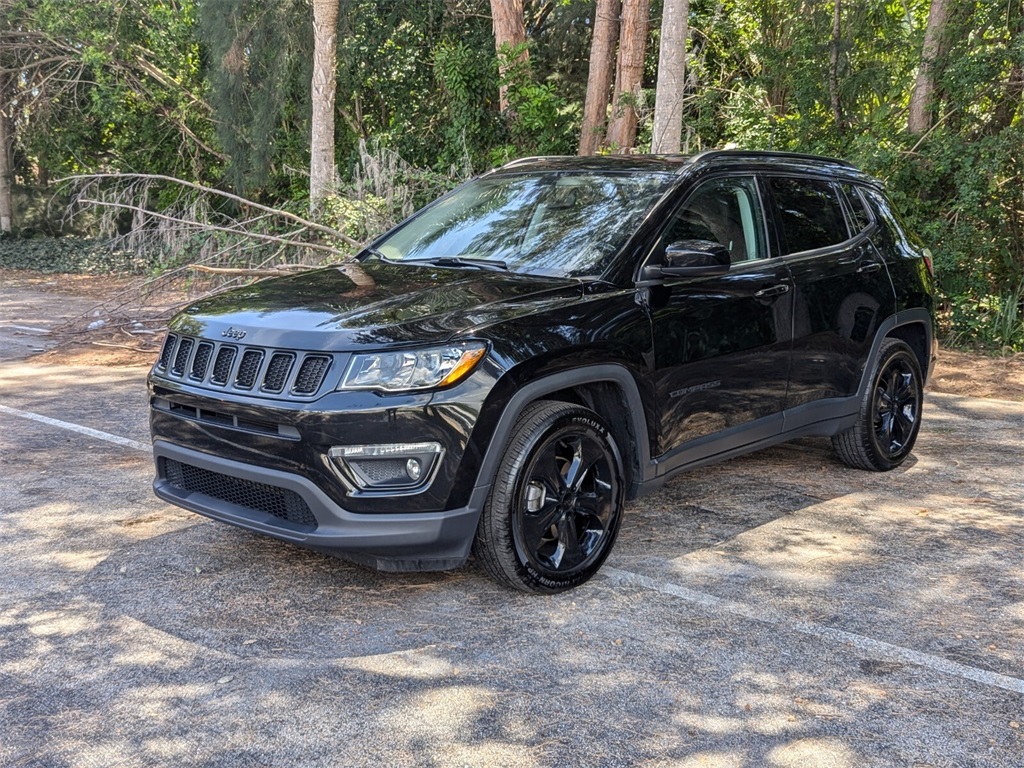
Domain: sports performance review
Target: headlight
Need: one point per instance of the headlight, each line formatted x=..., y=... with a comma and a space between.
x=413, y=369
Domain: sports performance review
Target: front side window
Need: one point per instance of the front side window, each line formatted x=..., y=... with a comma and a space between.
x=809, y=213
x=553, y=223
x=725, y=211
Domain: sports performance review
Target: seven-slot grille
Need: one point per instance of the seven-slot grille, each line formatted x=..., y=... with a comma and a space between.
x=242, y=368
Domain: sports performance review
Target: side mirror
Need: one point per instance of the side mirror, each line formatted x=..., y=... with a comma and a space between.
x=692, y=258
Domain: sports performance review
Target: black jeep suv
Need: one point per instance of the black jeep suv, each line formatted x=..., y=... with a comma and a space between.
x=541, y=344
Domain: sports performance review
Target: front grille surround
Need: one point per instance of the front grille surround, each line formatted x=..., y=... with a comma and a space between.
x=311, y=372
x=223, y=364
x=244, y=368
x=278, y=368
x=249, y=368
x=201, y=360
x=181, y=357
x=167, y=352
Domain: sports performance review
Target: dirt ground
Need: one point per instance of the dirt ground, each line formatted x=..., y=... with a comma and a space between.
x=778, y=609
x=132, y=327
x=132, y=334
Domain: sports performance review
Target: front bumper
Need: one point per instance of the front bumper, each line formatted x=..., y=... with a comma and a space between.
x=291, y=507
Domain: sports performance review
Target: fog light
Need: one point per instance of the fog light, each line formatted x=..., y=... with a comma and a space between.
x=388, y=467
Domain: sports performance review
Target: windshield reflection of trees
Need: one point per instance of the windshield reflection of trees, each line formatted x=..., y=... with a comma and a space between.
x=559, y=225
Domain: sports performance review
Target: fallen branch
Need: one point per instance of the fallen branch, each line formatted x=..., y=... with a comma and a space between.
x=212, y=227
x=351, y=270
x=174, y=229
x=218, y=192
x=283, y=269
x=147, y=350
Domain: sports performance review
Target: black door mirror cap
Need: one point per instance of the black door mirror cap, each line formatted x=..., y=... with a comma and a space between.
x=692, y=258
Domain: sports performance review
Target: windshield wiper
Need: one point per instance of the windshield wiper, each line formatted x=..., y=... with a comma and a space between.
x=459, y=261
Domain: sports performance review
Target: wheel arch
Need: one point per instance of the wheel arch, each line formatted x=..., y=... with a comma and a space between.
x=913, y=326
x=609, y=390
x=917, y=335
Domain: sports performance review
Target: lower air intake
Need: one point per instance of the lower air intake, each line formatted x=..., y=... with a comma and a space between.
x=279, y=502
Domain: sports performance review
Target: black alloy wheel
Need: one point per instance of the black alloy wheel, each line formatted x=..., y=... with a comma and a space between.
x=897, y=406
x=556, y=503
x=890, y=414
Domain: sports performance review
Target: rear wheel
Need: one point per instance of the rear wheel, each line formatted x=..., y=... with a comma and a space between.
x=556, y=504
x=890, y=413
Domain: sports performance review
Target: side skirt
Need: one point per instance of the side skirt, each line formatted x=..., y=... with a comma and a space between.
x=822, y=418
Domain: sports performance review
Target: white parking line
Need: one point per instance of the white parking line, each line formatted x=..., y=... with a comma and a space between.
x=878, y=648
x=28, y=328
x=123, y=441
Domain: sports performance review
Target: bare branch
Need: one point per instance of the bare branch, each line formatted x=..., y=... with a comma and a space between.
x=283, y=269
x=220, y=193
x=211, y=227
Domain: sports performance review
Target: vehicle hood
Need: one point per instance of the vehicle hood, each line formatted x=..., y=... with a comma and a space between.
x=324, y=310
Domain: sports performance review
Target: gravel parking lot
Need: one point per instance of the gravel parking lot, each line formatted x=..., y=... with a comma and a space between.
x=776, y=610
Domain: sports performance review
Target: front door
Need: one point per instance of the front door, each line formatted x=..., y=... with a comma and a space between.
x=721, y=344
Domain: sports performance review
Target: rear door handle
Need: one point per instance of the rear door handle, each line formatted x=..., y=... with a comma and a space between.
x=868, y=267
x=774, y=290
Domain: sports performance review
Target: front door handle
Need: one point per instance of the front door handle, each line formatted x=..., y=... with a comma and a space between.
x=775, y=290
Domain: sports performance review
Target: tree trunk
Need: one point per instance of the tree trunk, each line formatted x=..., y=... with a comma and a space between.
x=599, y=79
x=629, y=73
x=509, y=30
x=833, y=66
x=325, y=61
x=921, y=107
x=6, y=152
x=668, y=101
x=1009, y=102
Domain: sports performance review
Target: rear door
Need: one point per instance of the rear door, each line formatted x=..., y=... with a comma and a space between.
x=842, y=290
x=721, y=343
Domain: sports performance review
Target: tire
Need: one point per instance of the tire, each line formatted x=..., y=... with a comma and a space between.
x=555, y=507
x=890, y=413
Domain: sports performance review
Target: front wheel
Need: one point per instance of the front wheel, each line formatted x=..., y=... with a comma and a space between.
x=556, y=504
x=890, y=413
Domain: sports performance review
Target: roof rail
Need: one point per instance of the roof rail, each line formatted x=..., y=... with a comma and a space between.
x=521, y=160
x=755, y=153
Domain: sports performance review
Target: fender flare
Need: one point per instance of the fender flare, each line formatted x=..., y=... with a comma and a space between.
x=905, y=317
x=534, y=390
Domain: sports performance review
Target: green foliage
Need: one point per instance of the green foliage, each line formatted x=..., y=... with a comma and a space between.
x=258, y=60
x=468, y=81
x=217, y=92
x=384, y=191
x=75, y=255
x=115, y=86
x=541, y=122
x=994, y=322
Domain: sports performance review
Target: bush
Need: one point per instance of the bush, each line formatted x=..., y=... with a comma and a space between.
x=68, y=254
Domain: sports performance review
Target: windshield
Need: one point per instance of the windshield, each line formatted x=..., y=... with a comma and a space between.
x=557, y=224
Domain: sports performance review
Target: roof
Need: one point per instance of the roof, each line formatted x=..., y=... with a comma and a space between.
x=755, y=159
x=623, y=163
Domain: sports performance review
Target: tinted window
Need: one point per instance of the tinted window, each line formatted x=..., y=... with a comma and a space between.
x=809, y=213
x=560, y=224
x=861, y=219
x=883, y=208
x=726, y=211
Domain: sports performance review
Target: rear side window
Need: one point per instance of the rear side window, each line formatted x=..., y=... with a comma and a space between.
x=809, y=213
x=883, y=208
x=860, y=219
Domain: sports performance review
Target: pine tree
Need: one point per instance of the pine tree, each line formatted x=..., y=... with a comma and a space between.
x=260, y=56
